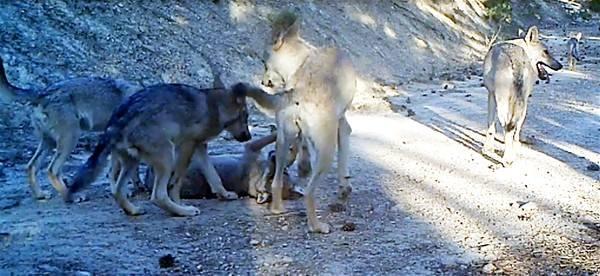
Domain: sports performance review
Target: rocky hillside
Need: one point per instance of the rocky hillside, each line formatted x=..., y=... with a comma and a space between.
x=161, y=41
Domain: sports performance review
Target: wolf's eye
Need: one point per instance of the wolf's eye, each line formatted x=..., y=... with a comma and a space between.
x=546, y=52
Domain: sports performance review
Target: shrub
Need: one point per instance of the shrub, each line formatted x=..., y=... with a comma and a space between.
x=499, y=10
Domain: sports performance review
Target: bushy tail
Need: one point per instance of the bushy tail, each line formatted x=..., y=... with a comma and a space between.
x=93, y=166
x=9, y=92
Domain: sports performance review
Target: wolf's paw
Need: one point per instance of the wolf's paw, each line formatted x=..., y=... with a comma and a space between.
x=189, y=211
x=79, y=198
x=507, y=162
x=488, y=151
x=319, y=227
x=135, y=211
x=42, y=195
x=227, y=195
x=277, y=208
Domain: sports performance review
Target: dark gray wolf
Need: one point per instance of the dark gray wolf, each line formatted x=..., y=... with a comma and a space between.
x=163, y=125
x=61, y=112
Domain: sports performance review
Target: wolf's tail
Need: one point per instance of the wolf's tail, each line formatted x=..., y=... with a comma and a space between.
x=94, y=165
x=9, y=92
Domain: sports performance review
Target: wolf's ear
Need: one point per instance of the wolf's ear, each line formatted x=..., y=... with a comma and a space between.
x=284, y=27
x=239, y=91
x=532, y=34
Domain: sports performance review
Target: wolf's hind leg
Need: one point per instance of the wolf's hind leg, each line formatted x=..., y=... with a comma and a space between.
x=33, y=165
x=65, y=145
x=345, y=188
x=127, y=167
x=488, y=146
x=162, y=165
x=186, y=151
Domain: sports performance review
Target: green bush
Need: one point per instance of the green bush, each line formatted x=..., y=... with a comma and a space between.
x=499, y=10
x=595, y=5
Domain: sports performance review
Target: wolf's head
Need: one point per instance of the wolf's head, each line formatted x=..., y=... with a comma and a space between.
x=263, y=188
x=285, y=52
x=538, y=54
x=234, y=112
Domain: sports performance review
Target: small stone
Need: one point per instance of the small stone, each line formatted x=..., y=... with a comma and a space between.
x=254, y=242
x=349, y=226
x=488, y=268
x=166, y=261
x=593, y=167
x=82, y=273
x=410, y=113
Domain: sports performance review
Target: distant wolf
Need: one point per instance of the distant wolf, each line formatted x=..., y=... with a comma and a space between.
x=163, y=125
x=60, y=113
x=573, y=50
x=246, y=174
x=509, y=72
x=317, y=86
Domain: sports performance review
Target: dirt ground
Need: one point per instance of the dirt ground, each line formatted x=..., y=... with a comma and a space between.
x=425, y=200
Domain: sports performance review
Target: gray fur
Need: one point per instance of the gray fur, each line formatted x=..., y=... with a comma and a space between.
x=246, y=174
x=163, y=125
x=61, y=113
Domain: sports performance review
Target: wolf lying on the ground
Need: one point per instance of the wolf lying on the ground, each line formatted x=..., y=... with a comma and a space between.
x=163, y=125
x=509, y=72
x=246, y=174
x=320, y=85
x=61, y=112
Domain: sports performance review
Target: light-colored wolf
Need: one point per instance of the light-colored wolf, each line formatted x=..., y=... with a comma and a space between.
x=163, y=125
x=319, y=87
x=246, y=174
x=60, y=113
x=573, y=50
x=509, y=73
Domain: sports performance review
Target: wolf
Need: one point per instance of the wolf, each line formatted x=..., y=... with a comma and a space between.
x=61, y=113
x=316, y=87
x=509, y=73
x=163, y=125
x=246, y=174
x=573, y=50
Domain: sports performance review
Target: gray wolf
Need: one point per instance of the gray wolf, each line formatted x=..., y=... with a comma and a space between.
x=60, y=113
x=317, y=86
x=163, y=125
x=509, y=72
x=246, y=174
x=573, y=50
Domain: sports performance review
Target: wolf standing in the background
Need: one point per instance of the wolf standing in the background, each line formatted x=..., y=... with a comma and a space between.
x=60, y=113
x=573, y=50
x=509, y=73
